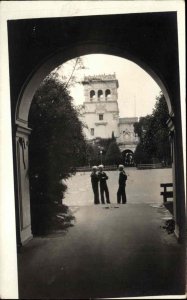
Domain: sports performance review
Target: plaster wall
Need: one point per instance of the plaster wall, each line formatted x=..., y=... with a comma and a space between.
x=126, y=134
x=102, y=128
x=22, y=142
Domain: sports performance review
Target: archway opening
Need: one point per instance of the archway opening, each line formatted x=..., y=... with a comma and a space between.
x=107, y=94
x=80, y=186
x=100, y=95
x=128, y=158
x=92, y=95
x=98, y=151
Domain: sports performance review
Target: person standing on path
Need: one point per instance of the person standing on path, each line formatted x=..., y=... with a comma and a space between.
x=103, y=185
x=95, y=183
x=121, y=194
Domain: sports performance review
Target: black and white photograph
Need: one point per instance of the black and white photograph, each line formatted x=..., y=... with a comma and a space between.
x=93, y=150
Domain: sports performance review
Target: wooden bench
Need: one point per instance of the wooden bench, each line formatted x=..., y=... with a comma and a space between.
x=166, y=194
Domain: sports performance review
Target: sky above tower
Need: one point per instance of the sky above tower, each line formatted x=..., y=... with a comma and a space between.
x=137, y=90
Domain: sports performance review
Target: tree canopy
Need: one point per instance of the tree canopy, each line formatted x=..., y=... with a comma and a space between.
x=154, y=135
x=113, y=155
x=93, y=151
x=57, y=142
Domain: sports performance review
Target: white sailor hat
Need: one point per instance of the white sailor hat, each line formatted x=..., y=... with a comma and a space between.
x=94, y=168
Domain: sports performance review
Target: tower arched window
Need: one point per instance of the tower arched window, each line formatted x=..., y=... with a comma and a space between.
x=92, y=95
x=107, y=94
x=100, y=95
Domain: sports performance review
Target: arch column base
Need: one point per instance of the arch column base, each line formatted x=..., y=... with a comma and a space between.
x=26, y=235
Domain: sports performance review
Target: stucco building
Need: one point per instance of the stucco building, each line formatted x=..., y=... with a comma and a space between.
x=100, y=112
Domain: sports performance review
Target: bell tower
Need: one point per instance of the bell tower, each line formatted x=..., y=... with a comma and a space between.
x=100, y=109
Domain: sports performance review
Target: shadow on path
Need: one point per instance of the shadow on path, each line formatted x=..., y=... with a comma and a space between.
x=119, y=251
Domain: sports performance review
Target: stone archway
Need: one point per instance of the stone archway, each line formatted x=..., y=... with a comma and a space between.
x=40, y=71
x=128, y=158
x=23, y=131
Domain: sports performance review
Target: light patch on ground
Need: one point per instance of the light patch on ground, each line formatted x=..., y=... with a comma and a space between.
x=143, y=186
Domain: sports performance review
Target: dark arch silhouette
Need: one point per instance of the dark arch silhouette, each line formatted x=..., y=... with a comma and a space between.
x=92, y=94
x=128, y=158
x=107, y=93
x=100, y=95
x=34, y=54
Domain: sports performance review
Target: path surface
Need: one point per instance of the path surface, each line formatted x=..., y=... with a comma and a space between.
x=143, y=186
x=115, y=251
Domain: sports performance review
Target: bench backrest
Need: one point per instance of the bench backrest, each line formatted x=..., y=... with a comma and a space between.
x=166, y=184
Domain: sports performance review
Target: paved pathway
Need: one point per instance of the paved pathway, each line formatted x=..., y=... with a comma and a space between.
x=143, y=186
x=114, y=251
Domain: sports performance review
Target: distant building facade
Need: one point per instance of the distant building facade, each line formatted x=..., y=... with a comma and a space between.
x=100, y=109
x=100, y=113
